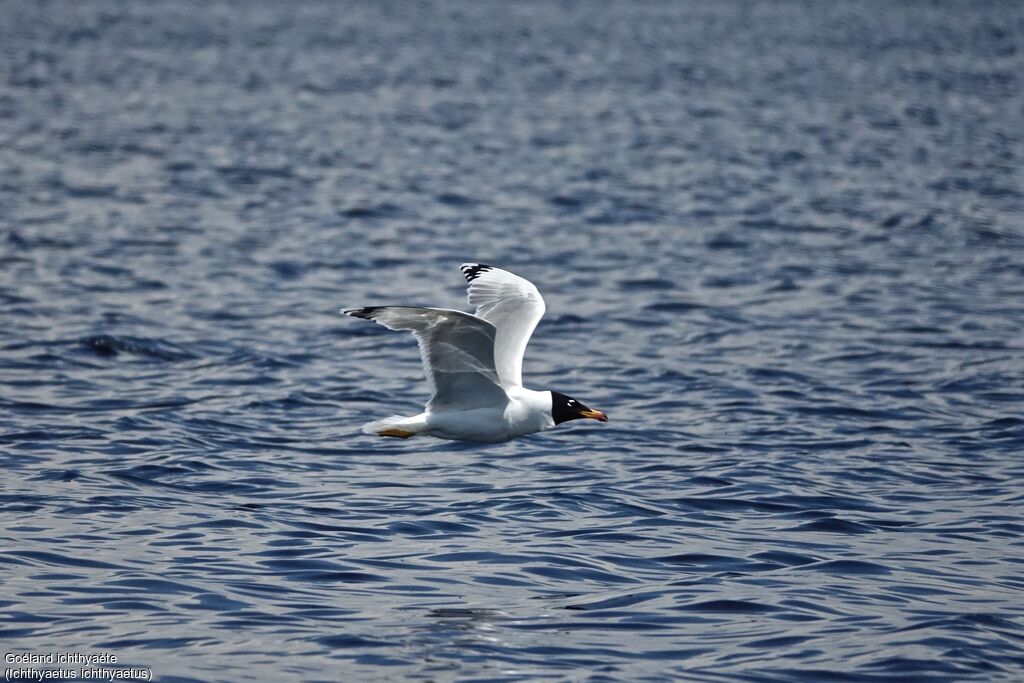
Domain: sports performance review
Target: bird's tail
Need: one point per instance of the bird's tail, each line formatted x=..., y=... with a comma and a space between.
x=396, y=425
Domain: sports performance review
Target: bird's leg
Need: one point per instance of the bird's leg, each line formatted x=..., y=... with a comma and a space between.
x=399, y=433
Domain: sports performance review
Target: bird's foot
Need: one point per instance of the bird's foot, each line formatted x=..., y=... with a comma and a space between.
x=399, y=433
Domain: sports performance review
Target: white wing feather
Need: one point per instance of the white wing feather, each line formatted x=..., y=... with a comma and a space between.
x=457, y=350
x=514, y=306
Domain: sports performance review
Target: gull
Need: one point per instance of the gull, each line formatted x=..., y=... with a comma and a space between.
x=474, y=364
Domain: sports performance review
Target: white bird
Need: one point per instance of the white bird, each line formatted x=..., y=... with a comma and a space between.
x=474, y=364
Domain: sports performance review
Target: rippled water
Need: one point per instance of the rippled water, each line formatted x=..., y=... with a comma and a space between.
x=781, y=244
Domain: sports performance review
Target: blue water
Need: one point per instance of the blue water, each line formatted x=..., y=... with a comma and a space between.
x=782, y=245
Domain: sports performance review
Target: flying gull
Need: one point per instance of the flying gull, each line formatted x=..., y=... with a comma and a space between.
x=474, y=364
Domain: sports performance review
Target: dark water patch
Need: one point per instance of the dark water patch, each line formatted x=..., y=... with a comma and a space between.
x=288, y=270
x=721, y=504
x=49, y=558
x=58, y=475
x=379, y=211
x=54, y=433
x=782, y=557
x=247, y=174
x=455, y=199
x=848, y=567
x=477, y=556
x=726, y=241
x=567, y=202
x=107, y=346
x=430, y=528
x=834, y=525
x=674, y=307
x=647, y=284
x=727, y=606
x=593, y=535
x=344, y=641
x=325, y=576
x=778, y=642
x=596, y=626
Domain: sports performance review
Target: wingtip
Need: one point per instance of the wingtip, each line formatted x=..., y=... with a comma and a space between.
x=366, y=312
x=473, y=270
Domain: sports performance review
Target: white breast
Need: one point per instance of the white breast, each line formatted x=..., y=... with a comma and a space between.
x=528, y=411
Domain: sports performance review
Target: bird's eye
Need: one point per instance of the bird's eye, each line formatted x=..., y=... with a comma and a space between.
x=571, y=401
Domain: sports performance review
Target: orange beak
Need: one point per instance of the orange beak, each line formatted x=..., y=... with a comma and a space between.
x=594, y=415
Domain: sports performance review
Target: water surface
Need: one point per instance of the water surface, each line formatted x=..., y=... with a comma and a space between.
x=781, y=244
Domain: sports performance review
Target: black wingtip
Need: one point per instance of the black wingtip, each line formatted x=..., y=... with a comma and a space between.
x=366, y=312
x=473, y=270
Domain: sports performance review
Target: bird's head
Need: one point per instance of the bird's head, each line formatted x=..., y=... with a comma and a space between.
x=565, y=408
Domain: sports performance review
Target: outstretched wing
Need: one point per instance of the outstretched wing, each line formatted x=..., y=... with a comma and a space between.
x=457, y=350
x=514, y=306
